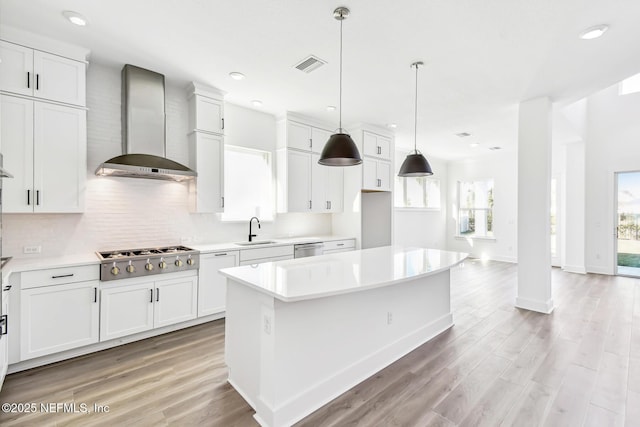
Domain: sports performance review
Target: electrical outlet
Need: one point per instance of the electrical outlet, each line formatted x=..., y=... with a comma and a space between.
x=267, y=325
x=32, y=249
x=389, y=318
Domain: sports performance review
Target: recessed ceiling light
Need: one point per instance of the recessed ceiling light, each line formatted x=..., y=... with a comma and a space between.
x=331, y=108
x=75, y=18
x=392, y=125
x=473, y=145
x=236, y=75
x=594, y=32
x=256, y=103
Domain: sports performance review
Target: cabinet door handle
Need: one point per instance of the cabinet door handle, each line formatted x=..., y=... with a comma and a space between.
x=95, y=294
x=38, y=197
x=327, y=203
x=223, y=202
x=221, y=254
x=5, y=324
x=37, y=81
x=379, y=150
x=151, y=290
x=157, y=294
x=28, y=197
x=28, y=80
x=62, y=275
x=7, y=288
x=310, y=143
x=309, y=204
x=223, y=123
x=379, y=182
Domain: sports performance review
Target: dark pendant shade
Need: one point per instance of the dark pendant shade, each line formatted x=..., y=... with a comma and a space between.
x=340, y=150
x=415, y=165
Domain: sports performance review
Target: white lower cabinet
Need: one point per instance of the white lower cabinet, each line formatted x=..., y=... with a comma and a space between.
x=57, y=318
x=212, y=287
x=128, y=309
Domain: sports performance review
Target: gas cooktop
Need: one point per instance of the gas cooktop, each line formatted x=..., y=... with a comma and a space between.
x=126, y=263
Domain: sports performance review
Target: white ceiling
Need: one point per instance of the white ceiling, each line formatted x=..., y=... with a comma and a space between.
x=482, y=57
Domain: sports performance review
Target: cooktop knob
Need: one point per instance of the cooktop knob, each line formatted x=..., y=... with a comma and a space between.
x=162, y=264
x=115, y=270
x=179, y=262
x=131, y=268
x=191, y=261
x=148, y=266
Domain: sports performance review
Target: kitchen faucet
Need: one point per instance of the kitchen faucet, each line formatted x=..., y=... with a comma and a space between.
x=251, y=236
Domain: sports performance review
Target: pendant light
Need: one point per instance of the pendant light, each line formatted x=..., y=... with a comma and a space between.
x=415, y=164
x=340, y=150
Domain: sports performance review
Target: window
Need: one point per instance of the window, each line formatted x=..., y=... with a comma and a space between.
x=248, y=184
x=417, y=192
x=630, y=85
x=475, y=214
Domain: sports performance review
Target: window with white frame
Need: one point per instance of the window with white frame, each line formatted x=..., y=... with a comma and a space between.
x=417, y=192
x=475, y=210
x=248, y=184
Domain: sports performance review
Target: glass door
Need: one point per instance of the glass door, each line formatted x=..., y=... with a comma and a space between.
x=628, y=223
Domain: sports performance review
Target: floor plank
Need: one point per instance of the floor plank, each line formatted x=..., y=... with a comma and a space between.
x=498, y=365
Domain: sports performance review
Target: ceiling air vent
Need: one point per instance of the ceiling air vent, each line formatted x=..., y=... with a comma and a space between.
x=309, y=64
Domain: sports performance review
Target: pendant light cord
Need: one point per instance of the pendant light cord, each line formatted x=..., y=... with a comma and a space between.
x=340, y=111
x=415, y=127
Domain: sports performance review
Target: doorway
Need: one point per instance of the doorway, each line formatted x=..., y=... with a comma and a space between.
x=627, y=242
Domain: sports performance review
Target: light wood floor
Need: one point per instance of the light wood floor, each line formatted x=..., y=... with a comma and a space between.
x=497, y=366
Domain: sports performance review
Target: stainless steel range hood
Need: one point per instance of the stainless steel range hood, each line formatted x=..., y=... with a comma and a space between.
x=143, y=131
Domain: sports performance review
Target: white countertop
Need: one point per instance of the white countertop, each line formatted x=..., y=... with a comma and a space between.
x=215, y=247
x=334, y=274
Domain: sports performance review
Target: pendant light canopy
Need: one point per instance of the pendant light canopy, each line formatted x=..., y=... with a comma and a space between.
x=340, y=150
x=415, y=164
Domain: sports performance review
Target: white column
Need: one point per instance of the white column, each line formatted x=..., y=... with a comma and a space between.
x=574, y=193
x=534, y=192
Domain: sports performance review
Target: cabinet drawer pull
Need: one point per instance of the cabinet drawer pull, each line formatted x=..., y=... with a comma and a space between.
x=62, y=275
x=151, y=290
x=339, y=244
x=157, y=294
x=28, y=197
x=222, y=254
x=28, y=80
x=95, y=294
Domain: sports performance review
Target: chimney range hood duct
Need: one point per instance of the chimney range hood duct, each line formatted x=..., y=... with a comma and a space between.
x=143, y=131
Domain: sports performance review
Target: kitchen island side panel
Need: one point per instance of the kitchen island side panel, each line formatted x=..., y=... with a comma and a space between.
x=293, y=357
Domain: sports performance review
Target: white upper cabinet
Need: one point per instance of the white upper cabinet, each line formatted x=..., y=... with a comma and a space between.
x=376, y=175
x=44, y=145
x=299, y=136
x=376, y=145
x=303, y=184
x=206, y=150
x=43, y=75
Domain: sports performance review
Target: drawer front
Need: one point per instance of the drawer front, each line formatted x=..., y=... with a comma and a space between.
x=260, y=261
x=339, y=244
x=259, y=253
x=55, y=276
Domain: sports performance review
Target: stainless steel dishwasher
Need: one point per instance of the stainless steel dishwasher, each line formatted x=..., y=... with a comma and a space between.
x=308, y=249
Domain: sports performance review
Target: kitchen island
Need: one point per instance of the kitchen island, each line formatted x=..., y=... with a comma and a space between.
x=301, y=332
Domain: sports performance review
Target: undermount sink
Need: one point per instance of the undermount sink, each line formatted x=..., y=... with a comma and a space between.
x=256, y=242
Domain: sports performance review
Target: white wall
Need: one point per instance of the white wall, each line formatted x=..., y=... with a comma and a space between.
x=424, y=228
x=502, y=167
x=126, y=212
x=612, y=145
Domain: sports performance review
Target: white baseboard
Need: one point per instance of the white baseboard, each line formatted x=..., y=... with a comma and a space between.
x=598, y=269
x=545, y=307
x=580, y=269
x=69, y=354
x=511, y=259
